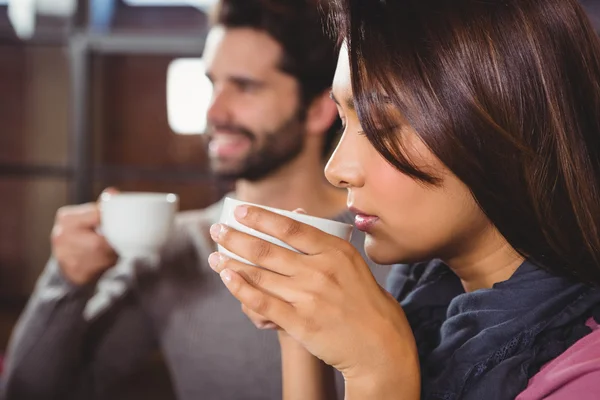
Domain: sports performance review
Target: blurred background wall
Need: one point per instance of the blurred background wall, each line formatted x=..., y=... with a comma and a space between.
x=83, y=105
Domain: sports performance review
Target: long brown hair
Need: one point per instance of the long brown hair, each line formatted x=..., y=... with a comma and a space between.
x=506, y=93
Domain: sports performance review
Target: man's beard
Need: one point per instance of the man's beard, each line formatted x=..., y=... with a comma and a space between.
x=276, y=149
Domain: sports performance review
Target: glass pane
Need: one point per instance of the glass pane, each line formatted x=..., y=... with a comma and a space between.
x=35, y=106
x=27, y=209
x=129, y=117
x=49, y=21
x=189, y=94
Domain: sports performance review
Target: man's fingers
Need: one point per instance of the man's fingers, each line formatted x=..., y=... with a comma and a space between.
x=111, y=190
x=108, y=192
x=88, y=248
x=85, y=216
x=84, y=241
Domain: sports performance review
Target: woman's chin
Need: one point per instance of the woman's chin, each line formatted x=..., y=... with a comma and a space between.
x=387, y=253
x=381, y=253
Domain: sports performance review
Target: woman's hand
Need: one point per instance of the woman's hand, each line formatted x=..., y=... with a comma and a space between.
x=325, y=298
x=261, y=322
x=258, y=320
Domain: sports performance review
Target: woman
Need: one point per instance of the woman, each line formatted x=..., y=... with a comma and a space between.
x=471, y=154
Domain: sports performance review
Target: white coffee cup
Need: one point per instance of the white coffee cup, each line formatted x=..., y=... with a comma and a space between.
x=335, y=228
x=137, y=223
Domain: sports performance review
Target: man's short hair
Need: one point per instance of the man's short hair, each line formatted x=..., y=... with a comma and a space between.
x=309, y=53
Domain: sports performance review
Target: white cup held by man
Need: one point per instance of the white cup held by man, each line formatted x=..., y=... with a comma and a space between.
x=335, y=228
x=137, y=224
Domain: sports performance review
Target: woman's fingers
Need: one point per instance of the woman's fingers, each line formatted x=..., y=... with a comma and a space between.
x=260, y=302
x=256, y=250
x=273, y=283
x=258, y=320
x=305, y=238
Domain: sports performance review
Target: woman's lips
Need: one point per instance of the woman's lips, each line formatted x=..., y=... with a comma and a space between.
x=363, y=222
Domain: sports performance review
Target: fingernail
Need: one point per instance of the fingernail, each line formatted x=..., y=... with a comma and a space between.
x=226, y=275
x=215, y=231
x=214, y=260
x=241, y=211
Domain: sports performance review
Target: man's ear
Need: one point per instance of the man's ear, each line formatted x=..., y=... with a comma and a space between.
x=321, y=114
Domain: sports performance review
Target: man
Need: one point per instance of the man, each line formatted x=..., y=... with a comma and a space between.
x=271, y=123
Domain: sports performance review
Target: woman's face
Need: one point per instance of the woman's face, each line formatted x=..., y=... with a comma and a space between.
x=405, y=220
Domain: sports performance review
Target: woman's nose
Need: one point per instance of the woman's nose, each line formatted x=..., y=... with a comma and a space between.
x=344, y=168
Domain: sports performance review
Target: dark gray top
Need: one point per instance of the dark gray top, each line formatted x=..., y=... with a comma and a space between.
x=81, y=342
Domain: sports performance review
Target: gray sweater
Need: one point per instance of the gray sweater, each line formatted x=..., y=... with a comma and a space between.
x=82, y=342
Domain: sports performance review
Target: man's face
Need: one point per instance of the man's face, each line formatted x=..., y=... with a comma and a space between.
x=255, y=120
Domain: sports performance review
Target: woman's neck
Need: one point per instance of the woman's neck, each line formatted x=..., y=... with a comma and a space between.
x=490, y=259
